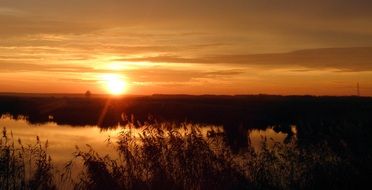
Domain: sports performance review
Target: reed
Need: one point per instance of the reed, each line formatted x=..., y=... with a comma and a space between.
x=179, y=156
x=24, y=167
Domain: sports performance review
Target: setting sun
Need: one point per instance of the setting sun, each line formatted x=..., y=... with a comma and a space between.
x=114, y=84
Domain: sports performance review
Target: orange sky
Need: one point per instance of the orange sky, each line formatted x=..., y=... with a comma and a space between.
x=319, y=47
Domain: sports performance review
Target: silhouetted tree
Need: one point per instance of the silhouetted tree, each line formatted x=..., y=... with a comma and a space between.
x=88, y=94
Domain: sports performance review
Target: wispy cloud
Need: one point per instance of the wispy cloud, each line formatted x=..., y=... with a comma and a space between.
x=11, y=11
x=343, y=59
x=6, y=66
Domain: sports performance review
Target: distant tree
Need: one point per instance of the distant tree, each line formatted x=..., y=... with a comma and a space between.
x=88, y=94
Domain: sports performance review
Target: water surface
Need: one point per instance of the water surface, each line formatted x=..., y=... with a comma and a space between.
x=63, y=139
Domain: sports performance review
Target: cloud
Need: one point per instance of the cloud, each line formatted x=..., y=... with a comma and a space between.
x=163, y=74
x=27, y=25
x=10, y=11
x=253, y=26
x=344, y=59
x=138, y=49
x=11, y=66
x=229, y=72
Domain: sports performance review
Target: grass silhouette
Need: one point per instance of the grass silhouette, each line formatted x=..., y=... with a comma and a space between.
x=24, y=167
x=179, y=156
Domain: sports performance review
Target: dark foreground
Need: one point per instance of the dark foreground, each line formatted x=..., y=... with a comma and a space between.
x=331, y=148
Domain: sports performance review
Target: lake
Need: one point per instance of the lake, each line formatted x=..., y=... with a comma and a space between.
x=63, y=139
x=257, y=142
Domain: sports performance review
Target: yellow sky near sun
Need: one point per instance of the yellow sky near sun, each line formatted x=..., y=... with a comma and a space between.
x=191, y=47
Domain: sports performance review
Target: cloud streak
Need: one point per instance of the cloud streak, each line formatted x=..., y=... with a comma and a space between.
x=344, y=59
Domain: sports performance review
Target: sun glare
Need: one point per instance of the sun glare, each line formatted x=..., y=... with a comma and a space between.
x=114, y=84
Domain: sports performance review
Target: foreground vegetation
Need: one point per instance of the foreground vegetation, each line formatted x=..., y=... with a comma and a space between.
x=169, y=156
x=25, y=167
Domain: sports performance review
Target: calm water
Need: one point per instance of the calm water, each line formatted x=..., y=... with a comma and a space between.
x=62, y=139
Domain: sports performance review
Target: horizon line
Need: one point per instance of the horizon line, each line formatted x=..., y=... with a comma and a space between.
x=169, y=94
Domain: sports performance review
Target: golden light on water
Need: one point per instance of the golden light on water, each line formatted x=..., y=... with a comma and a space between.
x=114, y=84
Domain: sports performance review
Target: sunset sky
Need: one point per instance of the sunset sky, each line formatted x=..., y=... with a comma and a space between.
x=318, y=47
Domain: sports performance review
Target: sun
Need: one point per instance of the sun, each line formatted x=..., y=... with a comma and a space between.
x=114, y=84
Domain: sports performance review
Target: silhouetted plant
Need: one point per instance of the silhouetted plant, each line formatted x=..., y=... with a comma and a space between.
x=163, y=156
x=24, y=167
x=179, y=156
